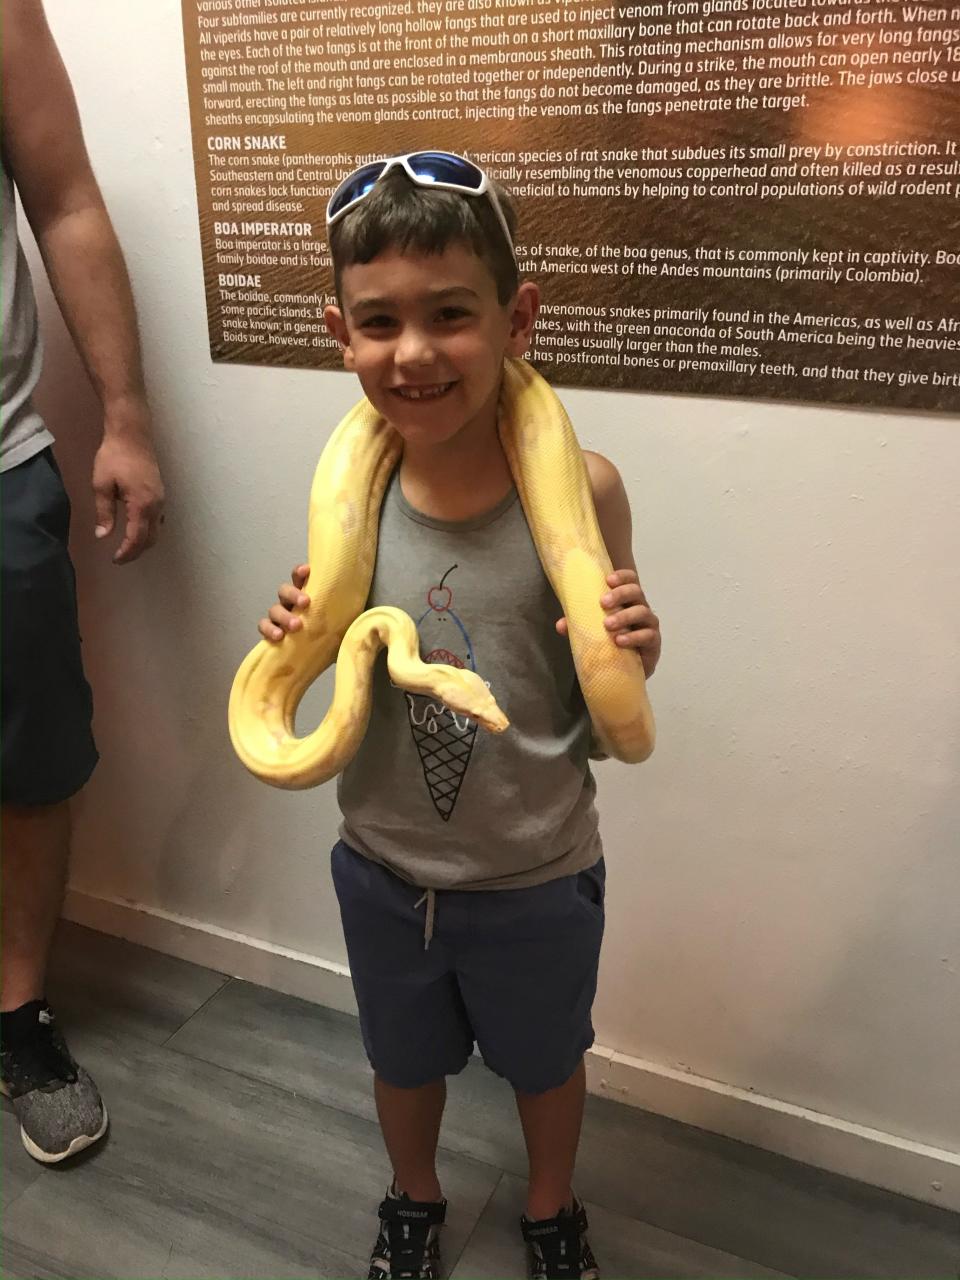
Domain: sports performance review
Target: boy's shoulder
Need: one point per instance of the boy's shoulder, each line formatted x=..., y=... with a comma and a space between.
x=604, y=477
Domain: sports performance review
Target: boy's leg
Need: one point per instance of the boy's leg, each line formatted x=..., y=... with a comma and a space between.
x=528, y=977
x=415, y=1032
x=410, y=1123
x=551, y=1128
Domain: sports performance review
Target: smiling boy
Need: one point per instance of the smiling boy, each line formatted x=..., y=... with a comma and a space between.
x=469, y=871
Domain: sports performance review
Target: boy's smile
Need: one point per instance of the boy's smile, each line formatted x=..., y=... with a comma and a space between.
x=427, y=335
x=425, y=392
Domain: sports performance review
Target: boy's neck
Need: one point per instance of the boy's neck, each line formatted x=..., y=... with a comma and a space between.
x=460, y=479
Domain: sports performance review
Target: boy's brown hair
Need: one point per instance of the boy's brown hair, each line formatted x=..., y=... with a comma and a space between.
x=399, y=214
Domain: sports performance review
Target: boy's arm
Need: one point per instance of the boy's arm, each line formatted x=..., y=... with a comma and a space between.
x=630, y=620
x=613, y=509
x=44, y=151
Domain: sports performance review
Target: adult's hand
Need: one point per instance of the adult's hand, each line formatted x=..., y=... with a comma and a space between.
x=125, y=473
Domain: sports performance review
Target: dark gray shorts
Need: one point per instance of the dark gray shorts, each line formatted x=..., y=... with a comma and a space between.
x=47, y=708
x=514, y=970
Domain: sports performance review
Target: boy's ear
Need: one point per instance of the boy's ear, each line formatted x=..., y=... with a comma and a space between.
x=337, y=327
x=523, y=316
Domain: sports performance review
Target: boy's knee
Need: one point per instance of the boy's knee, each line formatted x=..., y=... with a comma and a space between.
x=539, y=1078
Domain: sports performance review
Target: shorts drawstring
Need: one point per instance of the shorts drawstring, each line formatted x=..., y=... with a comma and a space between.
x=430, y=898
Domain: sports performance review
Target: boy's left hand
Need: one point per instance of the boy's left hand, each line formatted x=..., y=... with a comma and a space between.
x=630, y=620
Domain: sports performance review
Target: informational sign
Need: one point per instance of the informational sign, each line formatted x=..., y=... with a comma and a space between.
x=721, y=197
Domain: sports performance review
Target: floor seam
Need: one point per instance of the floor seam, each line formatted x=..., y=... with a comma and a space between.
x=8, y=1204
x=329, y=1106
x=450, y=1269
x=199, y=1009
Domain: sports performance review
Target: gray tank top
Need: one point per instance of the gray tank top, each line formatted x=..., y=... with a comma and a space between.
x=430, y=795
x=22, y=432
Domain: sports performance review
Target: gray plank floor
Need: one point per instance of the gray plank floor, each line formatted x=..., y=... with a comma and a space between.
x=244, y=1143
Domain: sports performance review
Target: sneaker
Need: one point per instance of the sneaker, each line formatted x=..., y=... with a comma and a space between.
x=557, y=1248
x=408, y=1246
x=59, y=1107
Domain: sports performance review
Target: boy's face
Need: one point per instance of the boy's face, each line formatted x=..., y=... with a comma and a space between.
x=426, y=335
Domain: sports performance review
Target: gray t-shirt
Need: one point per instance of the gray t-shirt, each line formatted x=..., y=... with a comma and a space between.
x=22, y=431
x=438, y=800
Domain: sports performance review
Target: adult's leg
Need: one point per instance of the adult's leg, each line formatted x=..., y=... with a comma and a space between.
x=36, y=845
x=48, y=755
x=48, y=748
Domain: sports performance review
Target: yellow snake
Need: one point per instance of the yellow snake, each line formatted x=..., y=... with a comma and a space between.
x=348, y=487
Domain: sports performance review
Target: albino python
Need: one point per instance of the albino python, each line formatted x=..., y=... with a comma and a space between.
x=348, y=488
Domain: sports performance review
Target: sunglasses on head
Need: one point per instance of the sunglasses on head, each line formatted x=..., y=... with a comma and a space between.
x=440, y=169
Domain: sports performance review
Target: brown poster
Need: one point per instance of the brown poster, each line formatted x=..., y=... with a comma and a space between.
x=723, y=197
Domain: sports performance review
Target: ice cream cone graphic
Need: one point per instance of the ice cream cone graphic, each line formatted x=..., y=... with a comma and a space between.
x=443, y=739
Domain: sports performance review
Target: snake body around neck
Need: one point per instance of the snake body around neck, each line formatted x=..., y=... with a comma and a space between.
x=345, y=499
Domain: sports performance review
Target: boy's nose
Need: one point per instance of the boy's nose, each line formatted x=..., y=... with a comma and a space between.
x=414, y=348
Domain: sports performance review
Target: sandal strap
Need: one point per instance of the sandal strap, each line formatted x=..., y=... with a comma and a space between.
x=565, y=1224
x=427, y=1213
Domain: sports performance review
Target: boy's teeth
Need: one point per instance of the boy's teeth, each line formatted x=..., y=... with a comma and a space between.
x=424, y=393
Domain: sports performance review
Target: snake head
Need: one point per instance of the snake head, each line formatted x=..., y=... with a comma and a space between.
x=464, y=692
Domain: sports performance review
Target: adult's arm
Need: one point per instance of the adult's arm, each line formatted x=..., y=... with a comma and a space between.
x=45, y=153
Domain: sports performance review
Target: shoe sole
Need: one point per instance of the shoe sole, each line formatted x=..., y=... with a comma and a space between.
x=54, y=1157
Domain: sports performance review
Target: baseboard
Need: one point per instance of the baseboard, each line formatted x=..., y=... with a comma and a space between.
x=869, y=1155
x=295, y=973
x=827, y=1142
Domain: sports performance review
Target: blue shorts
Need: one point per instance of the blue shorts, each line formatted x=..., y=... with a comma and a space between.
x=514, y=970
x=48, y=747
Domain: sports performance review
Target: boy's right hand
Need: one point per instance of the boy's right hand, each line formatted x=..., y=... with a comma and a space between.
x=281, y=617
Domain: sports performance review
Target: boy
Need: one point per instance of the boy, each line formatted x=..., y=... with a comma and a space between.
x=469, y=871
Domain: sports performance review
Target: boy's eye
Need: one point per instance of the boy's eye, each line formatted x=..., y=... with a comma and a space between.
x=376, y=322
x=449, y=314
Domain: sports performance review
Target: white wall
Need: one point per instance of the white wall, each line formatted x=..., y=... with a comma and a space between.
x=784, y=902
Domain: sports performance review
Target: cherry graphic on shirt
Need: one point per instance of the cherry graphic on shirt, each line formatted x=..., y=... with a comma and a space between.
x=440, y=598
x=435, y=596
